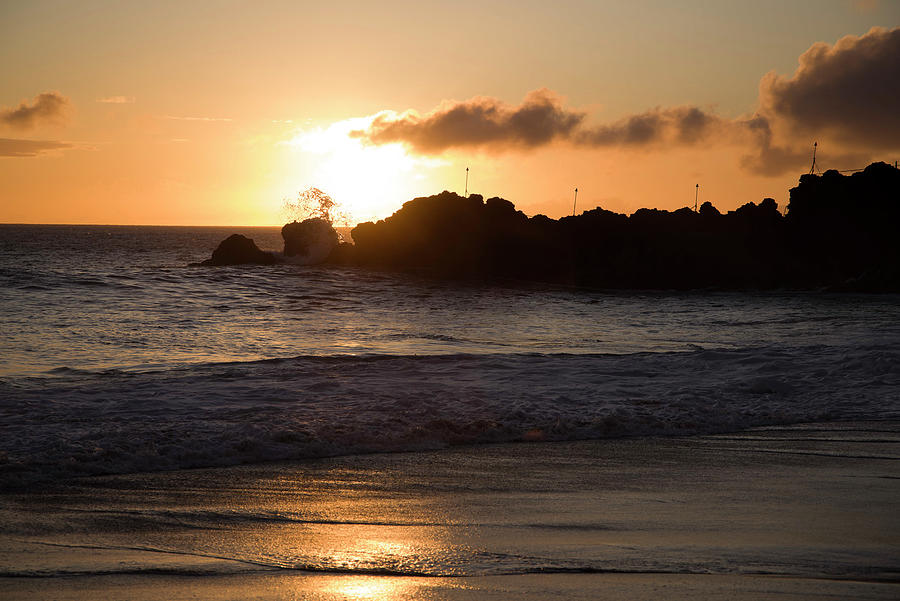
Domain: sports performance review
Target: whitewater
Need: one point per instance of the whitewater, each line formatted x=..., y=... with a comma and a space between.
x=116, y=357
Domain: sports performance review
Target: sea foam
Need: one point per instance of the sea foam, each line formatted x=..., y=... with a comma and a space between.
x=81, y=422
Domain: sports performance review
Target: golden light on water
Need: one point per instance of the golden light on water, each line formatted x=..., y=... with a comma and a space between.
x=374, y=587
x=369, y=554
x=368, y=182
x=392, y=550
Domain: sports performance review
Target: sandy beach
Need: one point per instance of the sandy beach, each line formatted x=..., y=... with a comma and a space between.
x=800, y=512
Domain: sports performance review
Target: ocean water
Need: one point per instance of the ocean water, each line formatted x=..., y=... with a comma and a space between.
x=117, y=357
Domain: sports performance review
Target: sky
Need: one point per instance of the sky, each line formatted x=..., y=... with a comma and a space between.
x=217, y=113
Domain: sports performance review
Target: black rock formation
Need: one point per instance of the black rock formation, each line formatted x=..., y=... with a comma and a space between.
x=838, y=234
x=309, y=241
x=237, y=250
x=844, y=229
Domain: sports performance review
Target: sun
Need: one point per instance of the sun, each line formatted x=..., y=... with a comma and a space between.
x=368, y=182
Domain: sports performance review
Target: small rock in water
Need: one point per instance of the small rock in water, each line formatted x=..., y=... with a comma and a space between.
x=237, y=250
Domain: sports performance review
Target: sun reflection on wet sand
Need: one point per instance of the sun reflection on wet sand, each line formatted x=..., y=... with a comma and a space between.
x=380, y=588
x=370, y=549
x=607, y=519
x=370, y=554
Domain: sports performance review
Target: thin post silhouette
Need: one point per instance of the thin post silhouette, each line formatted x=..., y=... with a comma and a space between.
x=574, y=202
x=696, y=196
x=466, y=194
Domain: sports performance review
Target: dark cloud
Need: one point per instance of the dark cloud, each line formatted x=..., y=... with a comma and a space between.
x=29, y=148
x=49, y=107
x=490, y=124
x=768, y=158
x=541, y=118
x=850, y=91
x=678, y=125
x=847, y=95
x=479, y=122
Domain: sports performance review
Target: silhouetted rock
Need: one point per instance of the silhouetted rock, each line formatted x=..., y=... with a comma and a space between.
x=843, y=229
x=839, y=234
x=448, y=235
x=707, y=210
x=310, y=241
x=237, y=250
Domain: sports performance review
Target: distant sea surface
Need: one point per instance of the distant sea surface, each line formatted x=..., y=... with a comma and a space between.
x=116, y=356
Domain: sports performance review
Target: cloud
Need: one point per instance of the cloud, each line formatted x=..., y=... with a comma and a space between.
x=117, y=100
x=845, y=94
x=482, y=122
x=10, y=147
x=49, y=107
x=541, y=118
x=850, y=91
x=684, y=125
x=768, y=158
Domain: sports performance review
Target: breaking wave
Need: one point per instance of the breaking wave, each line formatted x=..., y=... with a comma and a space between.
x=77, y=422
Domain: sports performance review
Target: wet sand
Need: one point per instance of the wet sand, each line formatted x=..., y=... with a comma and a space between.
x=800, y=512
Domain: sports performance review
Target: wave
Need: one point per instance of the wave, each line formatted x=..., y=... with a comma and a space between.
x=74, y=422
x=467, y=562
x=211, y=518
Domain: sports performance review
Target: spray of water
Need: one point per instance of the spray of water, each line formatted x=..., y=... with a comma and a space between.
x=313, y=203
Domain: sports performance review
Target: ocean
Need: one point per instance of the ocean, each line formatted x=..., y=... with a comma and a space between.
x=117, y=357
x=311, y=432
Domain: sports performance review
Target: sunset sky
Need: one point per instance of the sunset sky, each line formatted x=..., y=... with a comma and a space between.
x=214, y=113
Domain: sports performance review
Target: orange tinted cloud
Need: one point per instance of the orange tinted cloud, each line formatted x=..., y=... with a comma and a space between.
x=679, y=125
x=493, y=125
x=29, y=148
x=850, y=90
x=117, y=100
x=49, y=107
x=482, y=122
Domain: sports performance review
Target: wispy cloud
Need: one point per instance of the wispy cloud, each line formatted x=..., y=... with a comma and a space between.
x=10, y=147
x=49, y=107
x=117, y=100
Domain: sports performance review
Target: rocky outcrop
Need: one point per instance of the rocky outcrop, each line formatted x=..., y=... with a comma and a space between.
x=237, y=250
x=309, y=242
x=839, y=234
x=844, y=229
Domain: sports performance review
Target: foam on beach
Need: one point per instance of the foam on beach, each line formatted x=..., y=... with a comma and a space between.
x=79, y=423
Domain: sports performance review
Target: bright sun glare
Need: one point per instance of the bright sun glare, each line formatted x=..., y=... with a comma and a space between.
x=368, y=182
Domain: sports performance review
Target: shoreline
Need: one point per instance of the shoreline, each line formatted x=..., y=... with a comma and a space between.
x=574, y=587
x=804, y=511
